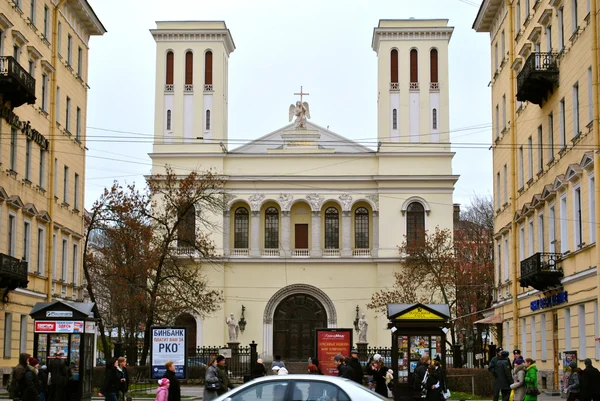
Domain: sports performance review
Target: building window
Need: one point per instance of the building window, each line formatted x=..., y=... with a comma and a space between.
x=497, y=191
x=521, y=174
x=68, y=115
x=46, y=21
x=13, y=149
x=531, y=239
x=186, y=231
x=79, y=62
x=506, y=278
x=75, y=264
x=550, y=137
x=433, y=65
x=527, y=9
x=361, y=228
x=54, y=255
x=518, y=16
x=32, y=68
x=567, y=328
x=168, y=119
x=394, y=119
x=533, y=339
x=59, y=36
x=530, y=157
x=592, y=207
x=497, y=121
x=169, y=77
x=499, y=266
x=549, y=38
x=207, y=120
x=66, y=184
x=394, y=66
x=78, y=124
x=208, y=68
x=504, y=112
x=17, y=53
x=496, y=62
x=543, y=331
x=12, y=235
x=563, y=130
x=28, y=151
x=576, y=110
x=65, y=259
x=574, y=25
x=189, y=68
x=581, y=327
x=434, y=118
x=561, y=29
x=57, y=104
x=507, y=335
x=414, y=66
x=27, y=243
x=590, y=97
x=240, y=224
x=7, y=334
x=76, y=190
x=332, y=228
x=503, y=45
x=45, y=92
x=522, y=242
x=23, y=334
x=32, y=13
x=41, y=250
x=69, y=49
x=540, y=149
x=551, y=229
x=415, y=225
x=55, y=189
x=577, y=223
x=271, y=228
x=564, y=230
x=524, y=336
x=505, y=183
x=540, y=237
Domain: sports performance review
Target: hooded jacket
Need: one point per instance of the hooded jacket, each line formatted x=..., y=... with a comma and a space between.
x=31, y=392
x=518, y=382
x=162, y=394
x=17, y=382
x=531, y=382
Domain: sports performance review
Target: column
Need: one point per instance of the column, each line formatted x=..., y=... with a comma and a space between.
x=255, y=234
x=316, y=235
x=346, y=234
x=226, y=229
x=285, y=250
x=375, y=250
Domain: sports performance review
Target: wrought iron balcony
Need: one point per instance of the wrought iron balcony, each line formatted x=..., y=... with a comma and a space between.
x=16, y=84
x=538, y=77
x=13, y=274
x=542, y=271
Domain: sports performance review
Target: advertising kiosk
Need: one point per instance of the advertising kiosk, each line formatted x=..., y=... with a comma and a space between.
x=417, y=329
x=67, y=330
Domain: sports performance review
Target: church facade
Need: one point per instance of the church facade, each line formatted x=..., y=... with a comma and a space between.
x=314, y=220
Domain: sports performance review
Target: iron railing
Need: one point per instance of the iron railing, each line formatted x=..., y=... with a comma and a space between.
x=13, y=273
x=541, y=262
x=9, y=67
x=536, y=62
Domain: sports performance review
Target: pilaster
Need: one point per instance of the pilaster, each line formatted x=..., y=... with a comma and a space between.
x=346, y=233
x=375, y=250
x=316, y=235
x=255, y=234
x=285, y=234
x=226, y=229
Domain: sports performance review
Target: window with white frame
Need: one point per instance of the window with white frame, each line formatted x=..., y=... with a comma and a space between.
x=46, y=22
x=59, y=37
x=13, y=148
x=551, y=229
x=27, y=242
x=521, y=182
x=65, y=259
x=498, y=190
x=504, y=111
x=597, y=328
x=530, y=157
x=23, y=334
x=527, y=9
x=592, y=207
x=581, y=327
x=56, y=178
x=524, y=336
x=518, y=16
x=561, y=29
x=574, y=22
x=41, y=250
x=576, y=110
x=66, y=184
x=533, y=338
x=28, y=155
x=506, y=264
x=497, y=121
x=564, y=230
x=544, y=338
x=540, y=236
x=507, y=335
x=68, y=115
x=7, y=334
x=54, y=255
x=505, y=183
x=12, y=234
x=57, y=105
x=577, y=226
x=550, y=137
x=45, y=92
x=503, y=45
x=79, y=62
x=549, y=38
x=75, y=275
x=496, y=63
x=567, y=325
x=69, y=49
x=499, y=264
x=540, y=149
x=522, y=242
x=32, y=13
x=42, y=169
x=76, y=190
x=78, y=124
x=531, y=239
x=590, y=97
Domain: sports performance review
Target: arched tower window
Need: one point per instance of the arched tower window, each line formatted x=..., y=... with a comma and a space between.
x=394, y=119
x=169, y=77
x=271, y=228
x=433, y=65
x=240, y=227
x=415, y=225
x=332, y=228
x=186, y=230
x=207, y=120
x=434, y=118
x=414, y=66
x=361, y=228
x=208, y=68
x=394, y=66
x=189, y=68
x=168, y=119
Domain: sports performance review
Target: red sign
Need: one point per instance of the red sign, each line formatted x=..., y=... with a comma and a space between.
x=58, y=326
x=45, y=327
x=329, y=344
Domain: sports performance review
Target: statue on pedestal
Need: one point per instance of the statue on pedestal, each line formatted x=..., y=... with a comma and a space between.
x=233, y=327
x=362, y=329
x=300, y=110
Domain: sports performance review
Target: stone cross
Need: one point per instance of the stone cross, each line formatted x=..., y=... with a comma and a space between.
x=300, y=94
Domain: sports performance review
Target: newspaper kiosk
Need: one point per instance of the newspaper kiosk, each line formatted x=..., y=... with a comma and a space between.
x=417, y=329
x=67, y=330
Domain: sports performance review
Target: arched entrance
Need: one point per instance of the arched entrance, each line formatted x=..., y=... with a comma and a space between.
x=294, y=323
x=189, y=322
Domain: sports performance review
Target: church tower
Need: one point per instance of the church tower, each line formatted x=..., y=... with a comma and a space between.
x=412, y=83
x=191, y=86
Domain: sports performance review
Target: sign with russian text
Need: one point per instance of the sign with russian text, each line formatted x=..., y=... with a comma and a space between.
x=550, y=301
x=331, y=342
x=58, y=326
x=419, y=313
x=168, y=344
x=59, y=313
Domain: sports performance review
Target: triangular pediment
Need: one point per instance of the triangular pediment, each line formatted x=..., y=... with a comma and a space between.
x=548, y=192
x=537, y=201
x=559, y=182
x=573, y=172
x=15, y=201
x=44, y=216
x=3, y=194
x=587, y=161
x=30, y=209
x=526, y=210
x=411, y=312
x=327, y=142
x=518, y=217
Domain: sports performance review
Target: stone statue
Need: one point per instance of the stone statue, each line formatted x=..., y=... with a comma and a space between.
x=362, y=329
x=302, y=112
x=234, y=328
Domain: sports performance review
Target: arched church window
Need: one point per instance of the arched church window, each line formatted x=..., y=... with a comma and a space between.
x=168, y=119
x=189, y=68
x=433, y=65
x=414, y=66
x=361, y=228
x=415, y=225
x=208, y=68
x=394, y=66
x=332, y=228
x=240, y=226
x=394, y=119
x=207, y=120
x=169, y=77
x=271, y=228
x=186, y=230
x=434, y=118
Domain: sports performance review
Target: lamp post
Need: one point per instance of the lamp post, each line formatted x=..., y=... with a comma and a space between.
x=242, y=322
x=476, y=345
x=463, y=332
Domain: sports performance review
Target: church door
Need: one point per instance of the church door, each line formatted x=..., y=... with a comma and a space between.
x=301, y=236
x=294, y=324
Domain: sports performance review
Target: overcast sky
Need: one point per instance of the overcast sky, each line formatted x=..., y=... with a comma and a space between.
x=323, y=45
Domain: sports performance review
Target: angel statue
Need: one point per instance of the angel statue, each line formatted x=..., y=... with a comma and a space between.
x=302, y=112
x=234, y=328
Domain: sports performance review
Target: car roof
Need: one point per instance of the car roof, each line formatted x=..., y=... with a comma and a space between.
x=301, y=377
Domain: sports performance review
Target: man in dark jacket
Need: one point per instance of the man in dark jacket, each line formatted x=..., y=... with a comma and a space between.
x=344, y=370
x=493, y=361
x=502, y=377
x=356, y=367
x=419, y=375
x=58, y=378
x=17, y=381
x=590, y=382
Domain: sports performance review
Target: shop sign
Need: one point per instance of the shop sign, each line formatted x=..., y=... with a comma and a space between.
x=59, y=313
x=49, y=326
x=168, y=344
x=25, y=127
x=419, y=314
x=329, y=344
x=550, y=301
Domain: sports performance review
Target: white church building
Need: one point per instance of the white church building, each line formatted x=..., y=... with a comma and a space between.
x=302, y=248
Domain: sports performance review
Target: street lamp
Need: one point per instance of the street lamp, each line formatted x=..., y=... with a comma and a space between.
x=463, y=331
x=242, y=322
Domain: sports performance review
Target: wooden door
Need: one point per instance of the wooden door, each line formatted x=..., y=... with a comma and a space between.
x=301, y=236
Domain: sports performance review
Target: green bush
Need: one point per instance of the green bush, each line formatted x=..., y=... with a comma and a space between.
x=459, y=380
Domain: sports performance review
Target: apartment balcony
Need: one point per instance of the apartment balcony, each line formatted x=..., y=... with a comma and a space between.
x=301, y=253
x=361, y=252
x=542, y=271
x=269, y=252
x=331, y=253
x=240, y=252
x=13, y=274
x=538, y=77
x=16, y=85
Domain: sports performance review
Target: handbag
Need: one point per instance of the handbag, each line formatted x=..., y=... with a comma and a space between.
x=532, y=391
x=213, y=386
x=446, y=394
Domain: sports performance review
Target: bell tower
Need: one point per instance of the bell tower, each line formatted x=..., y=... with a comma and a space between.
x=412, y=82
x=191, y=95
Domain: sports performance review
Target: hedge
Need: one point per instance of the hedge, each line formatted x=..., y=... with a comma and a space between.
x=459, y=380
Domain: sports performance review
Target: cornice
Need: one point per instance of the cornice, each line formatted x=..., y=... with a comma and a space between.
x=486, y=15
x=85, y=13
x=189, y=155
x=409, y=34
x=195, y=35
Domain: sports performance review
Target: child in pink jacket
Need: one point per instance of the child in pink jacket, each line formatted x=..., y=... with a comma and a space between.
x=162, y=394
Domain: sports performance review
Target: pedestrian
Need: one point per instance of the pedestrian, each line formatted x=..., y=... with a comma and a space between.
x=212, y=381
x=378, y=371
x=17, y=380
x=531, y=384
x=572, y=389
x=344, y=370
x=502, y=377
x=432, y=384
x=589, y=384
x=277, y=362
x=356, y=366
x=162, y=393
x=275, y=370
x=123, y=378
x=31, y=391
x=516, y=355
x=224, y=375
x=441, y=375
x=110, y=386
x=418, y=376
x=174, y=385
x=493, y=361
x=518, y=374
x=43, y=382
x=313, y=367
x=57, y=370
x=259, y=370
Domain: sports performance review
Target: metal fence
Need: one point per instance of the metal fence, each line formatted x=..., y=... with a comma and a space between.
x=366, y=357
x=238, y=360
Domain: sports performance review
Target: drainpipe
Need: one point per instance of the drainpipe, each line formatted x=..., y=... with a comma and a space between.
x=53, y=142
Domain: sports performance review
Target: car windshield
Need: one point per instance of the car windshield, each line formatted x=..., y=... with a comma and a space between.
x=366, y=390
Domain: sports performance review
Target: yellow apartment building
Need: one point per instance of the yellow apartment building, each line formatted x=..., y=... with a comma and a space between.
x=544, y=79
x=43, y=106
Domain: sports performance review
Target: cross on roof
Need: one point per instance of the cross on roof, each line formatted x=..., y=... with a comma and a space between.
x=301, y=93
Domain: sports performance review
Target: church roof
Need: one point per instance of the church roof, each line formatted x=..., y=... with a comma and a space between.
x=327, y=142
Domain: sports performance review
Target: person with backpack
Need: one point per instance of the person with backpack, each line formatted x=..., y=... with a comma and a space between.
x=17, y=381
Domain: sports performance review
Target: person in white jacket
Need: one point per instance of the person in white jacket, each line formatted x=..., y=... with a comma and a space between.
x=518, y=375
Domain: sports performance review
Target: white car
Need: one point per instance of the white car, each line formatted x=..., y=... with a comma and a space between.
x=300, y=388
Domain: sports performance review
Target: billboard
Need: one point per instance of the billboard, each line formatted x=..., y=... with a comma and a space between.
x=331, y=342
x=168, y=344
x=58, y=326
